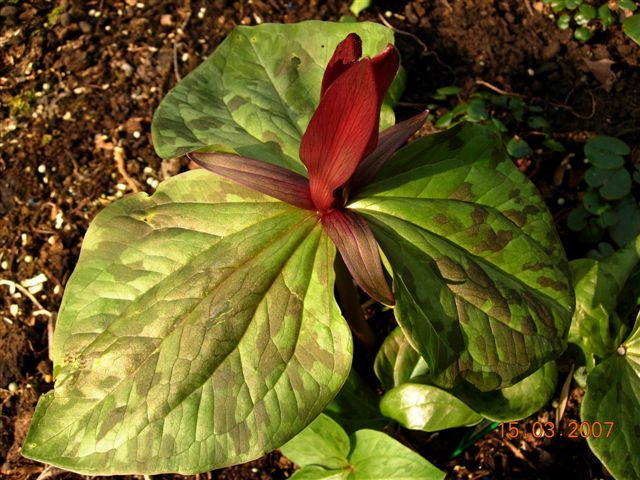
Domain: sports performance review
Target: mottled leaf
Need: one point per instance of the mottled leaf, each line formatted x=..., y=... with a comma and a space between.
x=596, y=325
x=515, y=402
x=480, y=278
x=426, y=407
x=255, y=94
x=397, y=361
x=613, y=395
x=366, y=455
x=198, y=330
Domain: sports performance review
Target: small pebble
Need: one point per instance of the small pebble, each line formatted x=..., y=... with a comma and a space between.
x=12, y=387
x=136, y=134
x=46, y=87
x=85, y=27
x=14, y=309
x=561, y=201
x=48, y=378
x=28, y=259
x=622, y=350
x=66, y=116
x=4, y=265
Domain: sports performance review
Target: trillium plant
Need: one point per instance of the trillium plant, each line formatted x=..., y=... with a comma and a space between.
x=200, y=327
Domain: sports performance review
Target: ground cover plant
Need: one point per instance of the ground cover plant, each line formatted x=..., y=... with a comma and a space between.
x=392, y=414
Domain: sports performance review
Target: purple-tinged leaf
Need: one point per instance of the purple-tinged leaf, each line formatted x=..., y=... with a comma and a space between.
x=260, y=176
x=357, y=245
x=390, y=140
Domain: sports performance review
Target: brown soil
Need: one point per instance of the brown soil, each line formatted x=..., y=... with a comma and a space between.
x=79, y=82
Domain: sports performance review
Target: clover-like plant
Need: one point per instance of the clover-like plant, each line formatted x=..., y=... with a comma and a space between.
x=200, y=329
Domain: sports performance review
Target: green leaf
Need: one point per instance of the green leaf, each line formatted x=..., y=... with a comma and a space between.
x=358, y=6
x=554, y=145
x=594, y=203
x=612, y=184
x=515, y=402
x=480, y=278
x=518, y=148
x=583, y=34
x=572, y=4
x=558, y=5
x=324, y=451
x=631, y=27
x=256, y=93
x=605, y=152
x=323, y=442
x=397, y=361
x=356, y=406
x=418, y=406
x=598, y=284
x=613, y=395
x=606, y=16
x=628, y=5
x=577, y=219
x=538, y=123
x=628, y=228
x=564, y=21
x=198, y=330
x=443, y=92
x=585, y=14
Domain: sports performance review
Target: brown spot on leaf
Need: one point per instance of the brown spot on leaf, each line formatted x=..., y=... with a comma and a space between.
x=441, y=219
x=551, y=283
x=518, y=218
x=479, y=215
x=463, y=192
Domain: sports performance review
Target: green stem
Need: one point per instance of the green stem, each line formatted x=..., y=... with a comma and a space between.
x=350, y=306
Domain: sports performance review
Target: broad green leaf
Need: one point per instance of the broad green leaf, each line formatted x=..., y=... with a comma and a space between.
x=397, y=362
x=256, y=92
x=367, y=455
x=613, y=395
x=356, y=406
x=323, y=442
x=426, y=407
x=631, y=26
x=479, y=275
x=515, y=402
x=198, y=330
x=598, y=283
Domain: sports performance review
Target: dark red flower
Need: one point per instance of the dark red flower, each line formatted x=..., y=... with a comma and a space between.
x=342, y=151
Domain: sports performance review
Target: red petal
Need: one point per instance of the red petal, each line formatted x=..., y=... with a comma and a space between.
x=340, y=131
x=357, y=245
x=390, y=141
x=385, y=65
x=346, y=53
x=260, y=176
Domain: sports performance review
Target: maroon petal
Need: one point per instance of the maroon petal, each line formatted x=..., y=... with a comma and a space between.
x=390, y=140
x=346, y=53
x=385, y=65
x=260, y=176
x=357, y=245
x=340, y=131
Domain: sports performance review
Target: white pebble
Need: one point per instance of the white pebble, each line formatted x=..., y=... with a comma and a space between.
x=622, y=350
x=14, y=309
x=136, y=134
x=561, y=201
x=12, y=387
x=24, y=239
x=42, y=168
x=66, y=116
x=4, y=265
x=33, y=281
x=28, y=259
x=46, y=87
x=59, y=221
x=148, y=170
x=531, y=72
x=56, y=290
x=185, y=57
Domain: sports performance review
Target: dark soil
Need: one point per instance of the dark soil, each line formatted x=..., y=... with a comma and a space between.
x=79, y=82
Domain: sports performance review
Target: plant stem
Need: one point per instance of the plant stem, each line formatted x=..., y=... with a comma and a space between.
x=350, y=306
